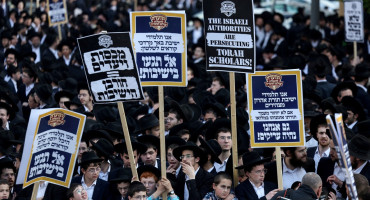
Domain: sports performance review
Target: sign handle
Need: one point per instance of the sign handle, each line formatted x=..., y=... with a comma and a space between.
x=234, y=134
x=161, y=135
x=127, y=139
x=35, y=190
x=31, y=2
x=279, y=167
x=354, y=50
x=37, y=3
x=59, y=32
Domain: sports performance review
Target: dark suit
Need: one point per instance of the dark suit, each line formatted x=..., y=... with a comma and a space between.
x=311, y=152
x=245, y=190
x=364, y=98
x=12, y=87
x=101, y=190
x=48, y=59
x=52, y=192
x=325, y=169
x=198, y=188
x=366, y=171
x=323, y=89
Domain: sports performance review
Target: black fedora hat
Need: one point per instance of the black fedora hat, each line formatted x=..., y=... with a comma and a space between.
x=178, y=128
x=174, y=140
x=138, y=146
x=147, y=122
x=92, y=134
x=216, y=125
x=120, y=175
x=149, y=168
x=198, y=152
x=213, y=148
x=359, y=146
x=11, y=51
x=9, y=110
x=69, y=84
x=252, y=159
x=218, y=108
x=75, y=101
x=104, y=147
x=364, y=128
x=44, y=92
x=223, y=96
x=196, y=128
x=61, y=94
x=184, y=110
x=344, y=85
x=114, y=129
x=150, y=139
x=5, y=141
x=89, y=157
x=197, y=110
x=352, y=104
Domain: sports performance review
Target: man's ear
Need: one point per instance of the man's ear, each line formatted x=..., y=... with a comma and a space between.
x=197, y=159
x=214, y=186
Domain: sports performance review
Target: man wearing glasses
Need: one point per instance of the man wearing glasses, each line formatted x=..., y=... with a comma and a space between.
x=193, y=182
x=255, y=187
x=90, y=181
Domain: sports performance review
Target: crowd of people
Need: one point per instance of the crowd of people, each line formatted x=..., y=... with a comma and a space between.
x=41, y=69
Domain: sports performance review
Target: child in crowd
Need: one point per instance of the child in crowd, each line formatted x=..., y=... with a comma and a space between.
x=4, y=189
x=221, y=188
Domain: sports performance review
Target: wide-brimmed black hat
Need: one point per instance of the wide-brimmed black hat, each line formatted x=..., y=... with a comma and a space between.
x=75, y=101
x=5, y=138
x=197, y=112
x=216, y=125
x=32, y=34
x=104, y=147
x=344, y=85
x=61, y=94
x=184, y=110
x=44, y=92
x=89, y=157
x=213, y=148
x=362, y=70
x=9, y=110
x=363, y=128
x=252, y=159
x=150, y=139
x=140, y=110
x=147, y=122
x=114, y=129
x=11, y=51
x=218, y=108
x=91, y=134
x=359, y=147
x=149, y=168
x=69, y=84
x=223, y=96
x=196, y=128
x=120, y=175
x=177, y=152
x=138, y=146
x=315, y=122
x=174, y=140
x=355, y=106
x=177, y=128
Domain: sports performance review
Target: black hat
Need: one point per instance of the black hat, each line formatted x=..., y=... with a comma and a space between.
x=223, y=96
x=217, y=124
x=196, y=128
x=44, y=92
x=139, y=147
x=251, y=159
x=104, y=147
x=344, y=85
x=69, y=84
x=6, y=34
x=352, y=104
x=61, y=94
x=89, y=157
x=315, y=122
x=147, y=122
x=213, y=148
x=362, y=70
x=91, y=134
x=149, y=168
x=364, y=128
x=140, y=110
x=309, y=109
x=177, y=128
x=74, y=101
x=120, y=175
x=359, y=147
x=9, y=110
x=150, y=139
x=105, y=113
x=197, y=110
x=32, y=34
x=5, y=138
x=218, y=108
x=177, y=152
x=174, y=140
x=12, y=51
x=114, y=129
x=184, y=110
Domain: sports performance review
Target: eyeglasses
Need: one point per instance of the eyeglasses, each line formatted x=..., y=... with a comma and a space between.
x=259, y=172
x=139, y=197
x=92, y=170
x=186, y=156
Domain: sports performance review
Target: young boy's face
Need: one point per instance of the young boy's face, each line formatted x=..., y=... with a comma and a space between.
x=4, y=191
x=138, y=195
x=123, y=188
x=222, y=190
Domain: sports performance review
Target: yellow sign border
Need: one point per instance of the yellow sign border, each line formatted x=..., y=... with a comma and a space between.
x=65, y=12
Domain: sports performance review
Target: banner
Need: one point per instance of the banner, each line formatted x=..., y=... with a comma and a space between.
x=52, y=140
x=159, y=41
x=354, y=21
x=340, y=142
x=110, y=67
x=230, y=37
x=275, y=106
x=57, y=12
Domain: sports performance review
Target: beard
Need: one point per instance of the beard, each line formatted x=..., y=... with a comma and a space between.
x=295, y=162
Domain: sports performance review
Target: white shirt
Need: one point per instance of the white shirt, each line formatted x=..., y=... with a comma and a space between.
x=291, y=176
x=55, y=52
x=334, y=73
x=311, y=143
x=341, y=174
x=42, y=189
x=29, y=88
x=317, y=156
x=350, y=126
x=210, y=169
x=197, y=33
x=89, y=190
x=103, y=175
x=221, y=167
x=260, y=191
x=186, y=191
x=260, y=32
x=361, y=86
x=358, y=170
x=37, y=52
x=15, y=85
x=67, y=60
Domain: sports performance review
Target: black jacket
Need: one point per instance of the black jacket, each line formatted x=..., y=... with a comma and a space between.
x=245, y=190
x=101, y=190
x=303, y=193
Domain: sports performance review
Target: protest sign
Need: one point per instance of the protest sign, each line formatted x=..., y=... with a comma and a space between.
x=159, y=41
x=276, y=108
x=110, y=67
x=57, y=12
x=340, y=142
x=229, y=32
x=354, y=21
x=51, y=147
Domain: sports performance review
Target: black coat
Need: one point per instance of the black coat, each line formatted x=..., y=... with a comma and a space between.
x=366, y=171
x=198, y=188
x=52, y=192
x=101, y=190
x=245, y=190
x=303, y=193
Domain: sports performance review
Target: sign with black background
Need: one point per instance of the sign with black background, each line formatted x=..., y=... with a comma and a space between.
x=229, y=30
x=110, y=67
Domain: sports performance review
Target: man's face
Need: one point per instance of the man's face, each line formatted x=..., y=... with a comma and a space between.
x=155, y=131
x=4, y=191
x=198, y=53
x=66, y=50
x=354, y=162
x=5, y=42
x=36, y=42
x=171, y=159
x=126, y=159
x=352, y=117
x=215, y=87
x=149, y=184
x=10, y=59
x=343, y=93
x=26, y=79
x=333, y=152
x=4, y=116
x=17, y=76
x=138, y=195
x=80, y=193
x=123, y=188
x=84, y=97
x=81, y=149
x=61, y=102
x=257, y=174
x=149, y=157
x=188, y=157
x=32, y=103
x=299, y=157
x=210, y=116
x=224, y=139
x=322, y=136
x=91, y=173
x=222, y=190
x=9, y=175
x=171, y=121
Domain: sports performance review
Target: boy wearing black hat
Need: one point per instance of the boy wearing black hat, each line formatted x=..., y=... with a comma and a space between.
x=137, y=149
x=121, y=179
x=255, y=187
x=96, y=188
x=150, y=156
x=85, y=98
x=193, y=182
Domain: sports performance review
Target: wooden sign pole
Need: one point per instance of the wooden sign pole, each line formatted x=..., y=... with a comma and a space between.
x=279, y=167
x=161, y=135
x=30, y=11
x=59, y=32
x=234, y=134
x=127, y=139
x=35, y=190
x=355, y=50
